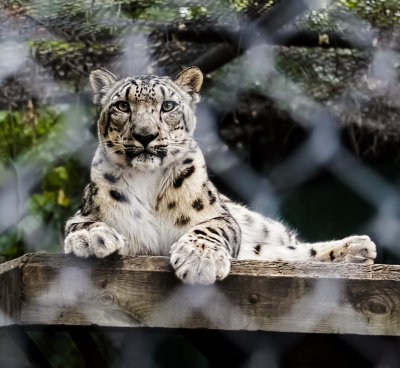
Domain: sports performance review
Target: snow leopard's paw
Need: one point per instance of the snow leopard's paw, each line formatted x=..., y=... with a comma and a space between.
x=358, y=249
x=99, y=241
x=199, y=261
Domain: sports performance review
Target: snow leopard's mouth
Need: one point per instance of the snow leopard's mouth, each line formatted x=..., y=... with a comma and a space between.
x=144, y=154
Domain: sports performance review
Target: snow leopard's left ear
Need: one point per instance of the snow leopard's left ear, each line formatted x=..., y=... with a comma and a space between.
x=190, y=80
x=100, y=81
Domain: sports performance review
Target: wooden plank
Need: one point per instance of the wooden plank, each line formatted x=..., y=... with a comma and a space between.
x=269, y=296
x=11, y=290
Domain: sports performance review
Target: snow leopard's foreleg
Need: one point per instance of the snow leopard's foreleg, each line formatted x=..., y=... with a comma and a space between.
x=203, y=254
x=86, y=235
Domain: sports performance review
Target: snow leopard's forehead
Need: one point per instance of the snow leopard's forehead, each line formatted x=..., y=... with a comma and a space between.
x=150, y=89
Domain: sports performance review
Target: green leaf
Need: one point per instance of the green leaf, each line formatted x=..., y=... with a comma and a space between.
x=62, y=172
x=3, y=115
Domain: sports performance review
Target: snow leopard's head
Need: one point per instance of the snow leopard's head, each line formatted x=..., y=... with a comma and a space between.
x=146, y=121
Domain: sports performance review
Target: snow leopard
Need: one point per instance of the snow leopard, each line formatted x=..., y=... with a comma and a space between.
x=150, y=194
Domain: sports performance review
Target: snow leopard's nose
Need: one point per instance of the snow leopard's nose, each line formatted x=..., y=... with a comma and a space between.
x=145, y=139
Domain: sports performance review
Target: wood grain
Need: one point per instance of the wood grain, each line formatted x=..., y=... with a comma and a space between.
x=56, y=289
x=11, y=290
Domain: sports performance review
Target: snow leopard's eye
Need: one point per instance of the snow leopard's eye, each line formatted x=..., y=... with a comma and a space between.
x=168, y=106
x=123, y=106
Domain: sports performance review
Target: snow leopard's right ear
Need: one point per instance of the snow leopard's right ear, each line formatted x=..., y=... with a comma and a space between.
x=100, y=81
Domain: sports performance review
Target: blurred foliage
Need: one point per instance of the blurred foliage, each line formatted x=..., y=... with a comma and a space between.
x=21, y=130
x=163, y=10
x=33, y=137
x=71, y=61
x=380, y=13
x=322, y=73
x=53, y=201
x=63, y=47
x=383, y=14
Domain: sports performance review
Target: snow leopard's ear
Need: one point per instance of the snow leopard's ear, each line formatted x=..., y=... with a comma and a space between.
x=100, y=81
x=190, y=80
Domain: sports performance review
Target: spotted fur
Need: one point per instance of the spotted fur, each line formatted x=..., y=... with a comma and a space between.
x=150, y=194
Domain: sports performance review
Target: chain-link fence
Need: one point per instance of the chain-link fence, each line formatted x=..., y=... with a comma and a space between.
x=299, y=119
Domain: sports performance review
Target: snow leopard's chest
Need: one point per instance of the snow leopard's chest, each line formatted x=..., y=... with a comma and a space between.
x=129, y=205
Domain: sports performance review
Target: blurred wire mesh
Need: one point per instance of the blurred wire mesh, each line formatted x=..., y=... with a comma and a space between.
x=299, y=117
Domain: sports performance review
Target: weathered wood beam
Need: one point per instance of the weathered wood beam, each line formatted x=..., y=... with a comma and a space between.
x=56, y=289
